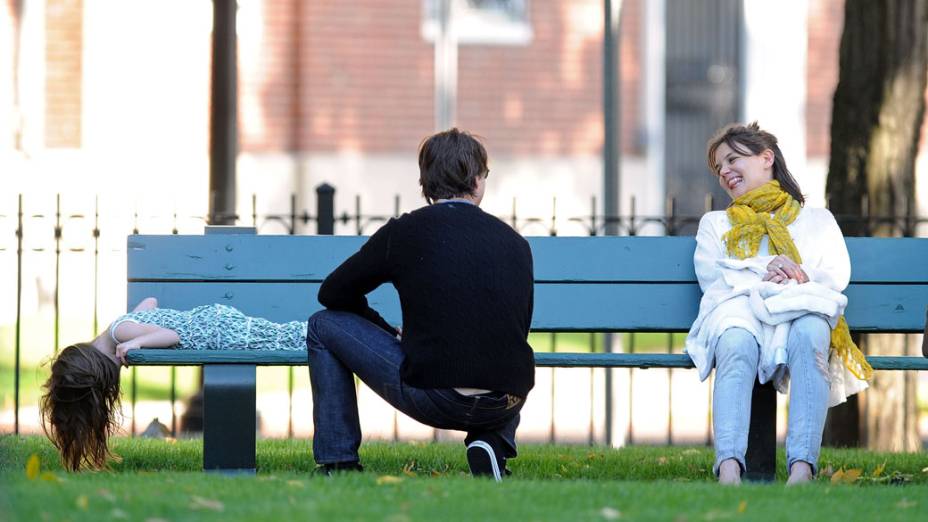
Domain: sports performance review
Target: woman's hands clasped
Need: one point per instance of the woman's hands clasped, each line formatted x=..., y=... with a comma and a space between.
x=781, y=269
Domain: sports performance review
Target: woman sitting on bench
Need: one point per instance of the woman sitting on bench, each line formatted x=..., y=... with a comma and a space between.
x=771, y=272
x=80, y=407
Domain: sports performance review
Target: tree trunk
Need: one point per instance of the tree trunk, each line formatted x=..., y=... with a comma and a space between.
x=876, y=120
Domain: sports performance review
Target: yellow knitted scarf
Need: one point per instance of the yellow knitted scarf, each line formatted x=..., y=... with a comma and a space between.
x=751, y=219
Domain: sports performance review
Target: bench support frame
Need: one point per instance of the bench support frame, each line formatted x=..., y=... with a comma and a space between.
x=229, y=424
x=761, y=457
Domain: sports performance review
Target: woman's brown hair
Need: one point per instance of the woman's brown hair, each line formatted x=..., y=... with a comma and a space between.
x=750, y=140
x=80, y=407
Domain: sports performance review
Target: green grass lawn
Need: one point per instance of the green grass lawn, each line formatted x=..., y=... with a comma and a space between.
x=159, y=480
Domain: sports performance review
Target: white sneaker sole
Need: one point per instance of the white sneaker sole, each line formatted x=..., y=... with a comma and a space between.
x=486, y=451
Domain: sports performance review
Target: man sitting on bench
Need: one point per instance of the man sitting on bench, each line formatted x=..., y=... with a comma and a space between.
x=461, y=360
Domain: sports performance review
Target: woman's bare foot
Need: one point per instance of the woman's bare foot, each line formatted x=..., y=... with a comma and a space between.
x=799, y=473
x=730, y=473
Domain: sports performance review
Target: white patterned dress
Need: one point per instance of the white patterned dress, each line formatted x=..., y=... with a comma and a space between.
x=221, y=327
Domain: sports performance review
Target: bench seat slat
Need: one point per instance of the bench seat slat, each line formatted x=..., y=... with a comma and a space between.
x=558, y=307
x=589, y=259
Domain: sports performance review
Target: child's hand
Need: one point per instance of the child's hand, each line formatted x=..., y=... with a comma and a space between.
x=122, y=348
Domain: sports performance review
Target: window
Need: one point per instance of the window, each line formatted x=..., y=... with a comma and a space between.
x=481, y=22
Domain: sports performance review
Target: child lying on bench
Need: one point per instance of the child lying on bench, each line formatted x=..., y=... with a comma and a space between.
x=80, y=407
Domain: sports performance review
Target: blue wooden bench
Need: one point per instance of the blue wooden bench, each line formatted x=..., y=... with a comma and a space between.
x=582, y=284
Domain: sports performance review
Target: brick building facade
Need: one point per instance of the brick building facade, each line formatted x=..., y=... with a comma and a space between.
x=340, y=92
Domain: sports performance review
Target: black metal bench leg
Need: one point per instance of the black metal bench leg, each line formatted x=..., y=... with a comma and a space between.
x=761, y=458
x=229, y=418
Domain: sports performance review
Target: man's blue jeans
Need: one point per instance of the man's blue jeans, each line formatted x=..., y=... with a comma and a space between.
x=341, y=344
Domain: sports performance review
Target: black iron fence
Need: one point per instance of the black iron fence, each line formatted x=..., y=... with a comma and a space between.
x=56, y=233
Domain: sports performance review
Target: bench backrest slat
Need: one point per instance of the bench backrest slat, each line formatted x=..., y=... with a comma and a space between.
x=582, y=283
x=590, y=259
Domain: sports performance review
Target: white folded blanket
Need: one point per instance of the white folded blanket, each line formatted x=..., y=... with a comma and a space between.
x=768, y=314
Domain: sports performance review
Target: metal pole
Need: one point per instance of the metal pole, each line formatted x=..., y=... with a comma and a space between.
x=57, y=272
x=611, y=113
x=19, y=303
x=552, y=429
x=223, y=124
x=446, y=67
x=134, y=389
x=291, y=231
x=96, y=265
x=611, y=157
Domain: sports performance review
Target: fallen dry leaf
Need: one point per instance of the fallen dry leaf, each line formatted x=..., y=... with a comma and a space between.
x=48, y=476
x=742, y=506
x=82, y=502
x=851, y=475
x=610, y=513
x=295, y=483
x=388, y=479
x=206, y=503
x=32, y=467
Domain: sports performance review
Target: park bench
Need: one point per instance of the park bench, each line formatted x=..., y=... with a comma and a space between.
x=582, y=284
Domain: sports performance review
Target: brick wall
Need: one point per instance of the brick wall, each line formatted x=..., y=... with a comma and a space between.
x=63, y=80
x=360, y=77
x=826, y=21
x=268, y=86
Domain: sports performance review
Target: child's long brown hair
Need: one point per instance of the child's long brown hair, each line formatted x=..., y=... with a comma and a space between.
x=80, y=407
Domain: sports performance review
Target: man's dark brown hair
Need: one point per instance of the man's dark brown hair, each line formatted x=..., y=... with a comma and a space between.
x=449, y=164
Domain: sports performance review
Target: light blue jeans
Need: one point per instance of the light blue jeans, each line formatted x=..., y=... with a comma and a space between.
x=736, y=359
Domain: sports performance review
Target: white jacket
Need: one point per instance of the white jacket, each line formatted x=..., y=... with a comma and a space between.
x=734, y=295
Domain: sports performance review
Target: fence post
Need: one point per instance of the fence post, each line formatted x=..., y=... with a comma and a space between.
x=19, y=302
x=325, y=209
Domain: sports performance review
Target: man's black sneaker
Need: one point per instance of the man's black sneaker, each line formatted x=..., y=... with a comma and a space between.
x=484, y=462
x=338, y=467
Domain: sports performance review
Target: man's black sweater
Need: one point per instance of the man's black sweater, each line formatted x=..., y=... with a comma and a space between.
x=466, y=287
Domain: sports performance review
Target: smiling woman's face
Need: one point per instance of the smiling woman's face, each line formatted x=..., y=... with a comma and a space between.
x=740, y=173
